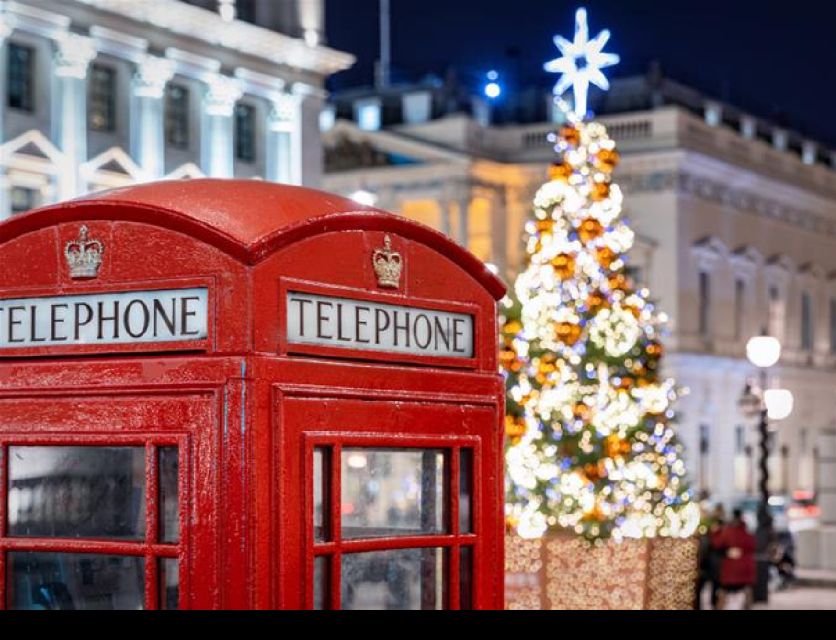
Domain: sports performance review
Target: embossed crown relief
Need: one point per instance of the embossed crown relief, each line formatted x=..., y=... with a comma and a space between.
x=388, y=265
x=84, y=256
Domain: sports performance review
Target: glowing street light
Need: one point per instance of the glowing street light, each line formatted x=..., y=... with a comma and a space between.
x=763, y=351
x=779, y=403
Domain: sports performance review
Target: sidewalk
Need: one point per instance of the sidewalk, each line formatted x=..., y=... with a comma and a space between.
x=821, y=578
x=800, y=598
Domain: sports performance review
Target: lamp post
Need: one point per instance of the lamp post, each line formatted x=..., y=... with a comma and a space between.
x=766, y=404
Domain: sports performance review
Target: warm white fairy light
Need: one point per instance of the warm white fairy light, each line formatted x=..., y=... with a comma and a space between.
x=593, y=451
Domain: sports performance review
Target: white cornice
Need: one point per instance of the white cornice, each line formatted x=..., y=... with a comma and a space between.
x=37, y=21
x=260, y=84
x=119, y=44
x=209, y=27
x=192, y=65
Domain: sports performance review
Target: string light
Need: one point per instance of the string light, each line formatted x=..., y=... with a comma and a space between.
x=592, y=447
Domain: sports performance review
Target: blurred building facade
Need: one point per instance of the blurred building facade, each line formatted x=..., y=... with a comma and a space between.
x=736, y=232
x=100, y=93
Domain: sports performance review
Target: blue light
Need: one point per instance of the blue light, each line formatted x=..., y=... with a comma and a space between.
x=493, y=89
x=581, y=62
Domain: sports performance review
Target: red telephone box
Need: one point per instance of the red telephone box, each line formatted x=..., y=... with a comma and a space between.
x=234, y=394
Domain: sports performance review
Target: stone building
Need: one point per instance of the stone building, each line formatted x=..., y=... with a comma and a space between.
x=101, y=93
x=736, y=232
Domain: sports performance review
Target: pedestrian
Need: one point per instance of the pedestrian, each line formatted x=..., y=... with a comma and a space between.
x=738, y=570
x=710, y=558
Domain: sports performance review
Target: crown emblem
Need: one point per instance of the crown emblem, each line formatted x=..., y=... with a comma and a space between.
x=387, y=265
x=84, y=256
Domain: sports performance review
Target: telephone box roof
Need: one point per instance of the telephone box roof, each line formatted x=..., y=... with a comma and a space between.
x=249, y=219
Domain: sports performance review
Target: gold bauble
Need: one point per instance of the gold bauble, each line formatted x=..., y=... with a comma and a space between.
x=617, y=282
x=507, y=357
x=615, y=446
x=596, y=301
x=589, y=230
x=600, y=191
x=605, y=256
x=571, y=135
x=581, y=411
x=568, y=333
x=655, y=349
x=564, y=265
x=607, y=160
x=545, y=225
x=514, y=428
x=560, y=171
x=512, y=328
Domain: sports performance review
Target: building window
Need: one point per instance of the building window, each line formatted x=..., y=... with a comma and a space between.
x=705, y=447
x=417, y=107
x=367, y=114
x=833, y=326
x=177, y=116
x=102, y=108
x=245, y=10
x=739, y=440
x=705, y=303
x=806, y=322
x=776, y=313
x=24, y=199
x=245, y=132
x=739, y=300
x=21, y=74
x=802, y=441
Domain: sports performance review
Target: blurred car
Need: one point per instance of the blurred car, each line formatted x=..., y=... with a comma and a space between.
x=777, y=509
x=789, y=513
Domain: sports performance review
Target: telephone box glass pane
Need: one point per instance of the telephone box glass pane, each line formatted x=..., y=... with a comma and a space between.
x=402, y=579
x=320, y=494
x=465, y=578
x=465, y=490
x=57, y=581
x=77, y=492
x=169, y=572
x=392, y=492
x=321, y=583
x=169, y=495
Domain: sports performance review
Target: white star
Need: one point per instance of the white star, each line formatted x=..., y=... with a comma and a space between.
x=581, y=62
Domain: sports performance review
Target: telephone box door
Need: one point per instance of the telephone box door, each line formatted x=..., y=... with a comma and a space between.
x=99, y=507
x=398, y=500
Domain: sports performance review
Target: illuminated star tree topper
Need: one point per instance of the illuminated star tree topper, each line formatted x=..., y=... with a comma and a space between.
x=581, y=62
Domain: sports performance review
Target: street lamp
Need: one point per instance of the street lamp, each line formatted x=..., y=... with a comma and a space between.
x=767, y=404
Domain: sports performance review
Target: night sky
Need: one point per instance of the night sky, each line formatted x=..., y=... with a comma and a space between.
x=774, y=59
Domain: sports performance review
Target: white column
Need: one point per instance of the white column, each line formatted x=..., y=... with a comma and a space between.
x=308, y=137
x=446, y=223
x=5, y=185
x=464, y=221
x=72, y=58
x=147, y=115
x=283, y=163
x=499, y=230
x=217, y=152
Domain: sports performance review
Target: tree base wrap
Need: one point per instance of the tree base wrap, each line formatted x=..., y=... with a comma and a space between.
x=566, y=572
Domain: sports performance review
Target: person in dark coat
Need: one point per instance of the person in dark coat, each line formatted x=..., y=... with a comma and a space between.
x=710, y=559
x=738, y=570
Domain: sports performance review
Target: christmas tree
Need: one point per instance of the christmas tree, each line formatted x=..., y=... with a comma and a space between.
x=589, y=418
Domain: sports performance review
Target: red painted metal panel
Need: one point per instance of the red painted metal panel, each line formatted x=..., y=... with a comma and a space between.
x=243, y=409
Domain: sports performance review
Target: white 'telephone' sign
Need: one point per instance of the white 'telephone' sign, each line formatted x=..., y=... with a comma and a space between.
x=372, y=326
x=177, y=315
